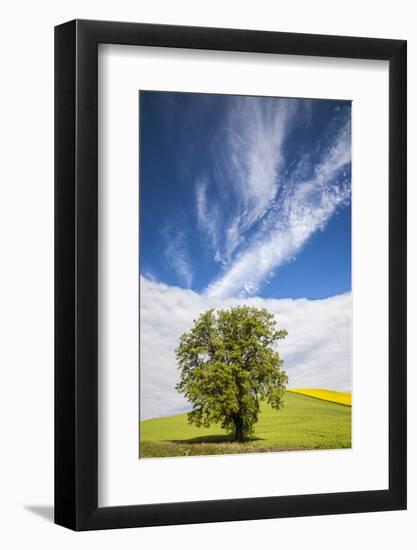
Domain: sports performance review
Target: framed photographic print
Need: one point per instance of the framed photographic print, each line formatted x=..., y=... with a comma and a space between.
x=230, y=252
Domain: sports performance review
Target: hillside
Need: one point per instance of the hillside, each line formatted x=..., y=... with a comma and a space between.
x=305, y=422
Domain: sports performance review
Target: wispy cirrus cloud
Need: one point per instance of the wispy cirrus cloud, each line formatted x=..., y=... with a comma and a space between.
x=207, y=214
x=246, y=159
x=176, y=254
x=302, y=206
x=255, y=131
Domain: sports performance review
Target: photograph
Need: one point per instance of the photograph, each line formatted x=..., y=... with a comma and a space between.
x=245, y=274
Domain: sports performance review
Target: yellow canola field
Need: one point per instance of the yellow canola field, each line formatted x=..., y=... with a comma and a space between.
x=344, y=398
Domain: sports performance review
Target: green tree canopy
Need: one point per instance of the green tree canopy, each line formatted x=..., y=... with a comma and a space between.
x=228, y=364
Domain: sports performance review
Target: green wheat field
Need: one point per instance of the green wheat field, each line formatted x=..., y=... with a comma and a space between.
x=311, y=419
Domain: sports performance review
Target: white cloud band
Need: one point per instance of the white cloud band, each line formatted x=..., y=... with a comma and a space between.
x=317, y=351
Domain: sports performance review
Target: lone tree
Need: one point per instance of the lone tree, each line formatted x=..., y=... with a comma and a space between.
x=228, y=364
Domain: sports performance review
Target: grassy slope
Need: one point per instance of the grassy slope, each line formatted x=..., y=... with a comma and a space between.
x=344, y=398
x=304, y=423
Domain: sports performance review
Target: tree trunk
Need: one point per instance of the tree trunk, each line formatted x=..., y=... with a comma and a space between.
x=239, y=435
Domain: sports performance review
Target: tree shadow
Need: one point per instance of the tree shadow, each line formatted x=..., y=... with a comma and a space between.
x=220, y=438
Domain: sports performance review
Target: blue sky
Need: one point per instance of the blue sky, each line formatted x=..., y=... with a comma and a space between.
x=245, y=196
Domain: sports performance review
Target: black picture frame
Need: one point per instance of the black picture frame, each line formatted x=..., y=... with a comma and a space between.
x=76, y=272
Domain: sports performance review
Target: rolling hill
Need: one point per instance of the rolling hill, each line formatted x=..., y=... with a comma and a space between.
x=305, y=422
